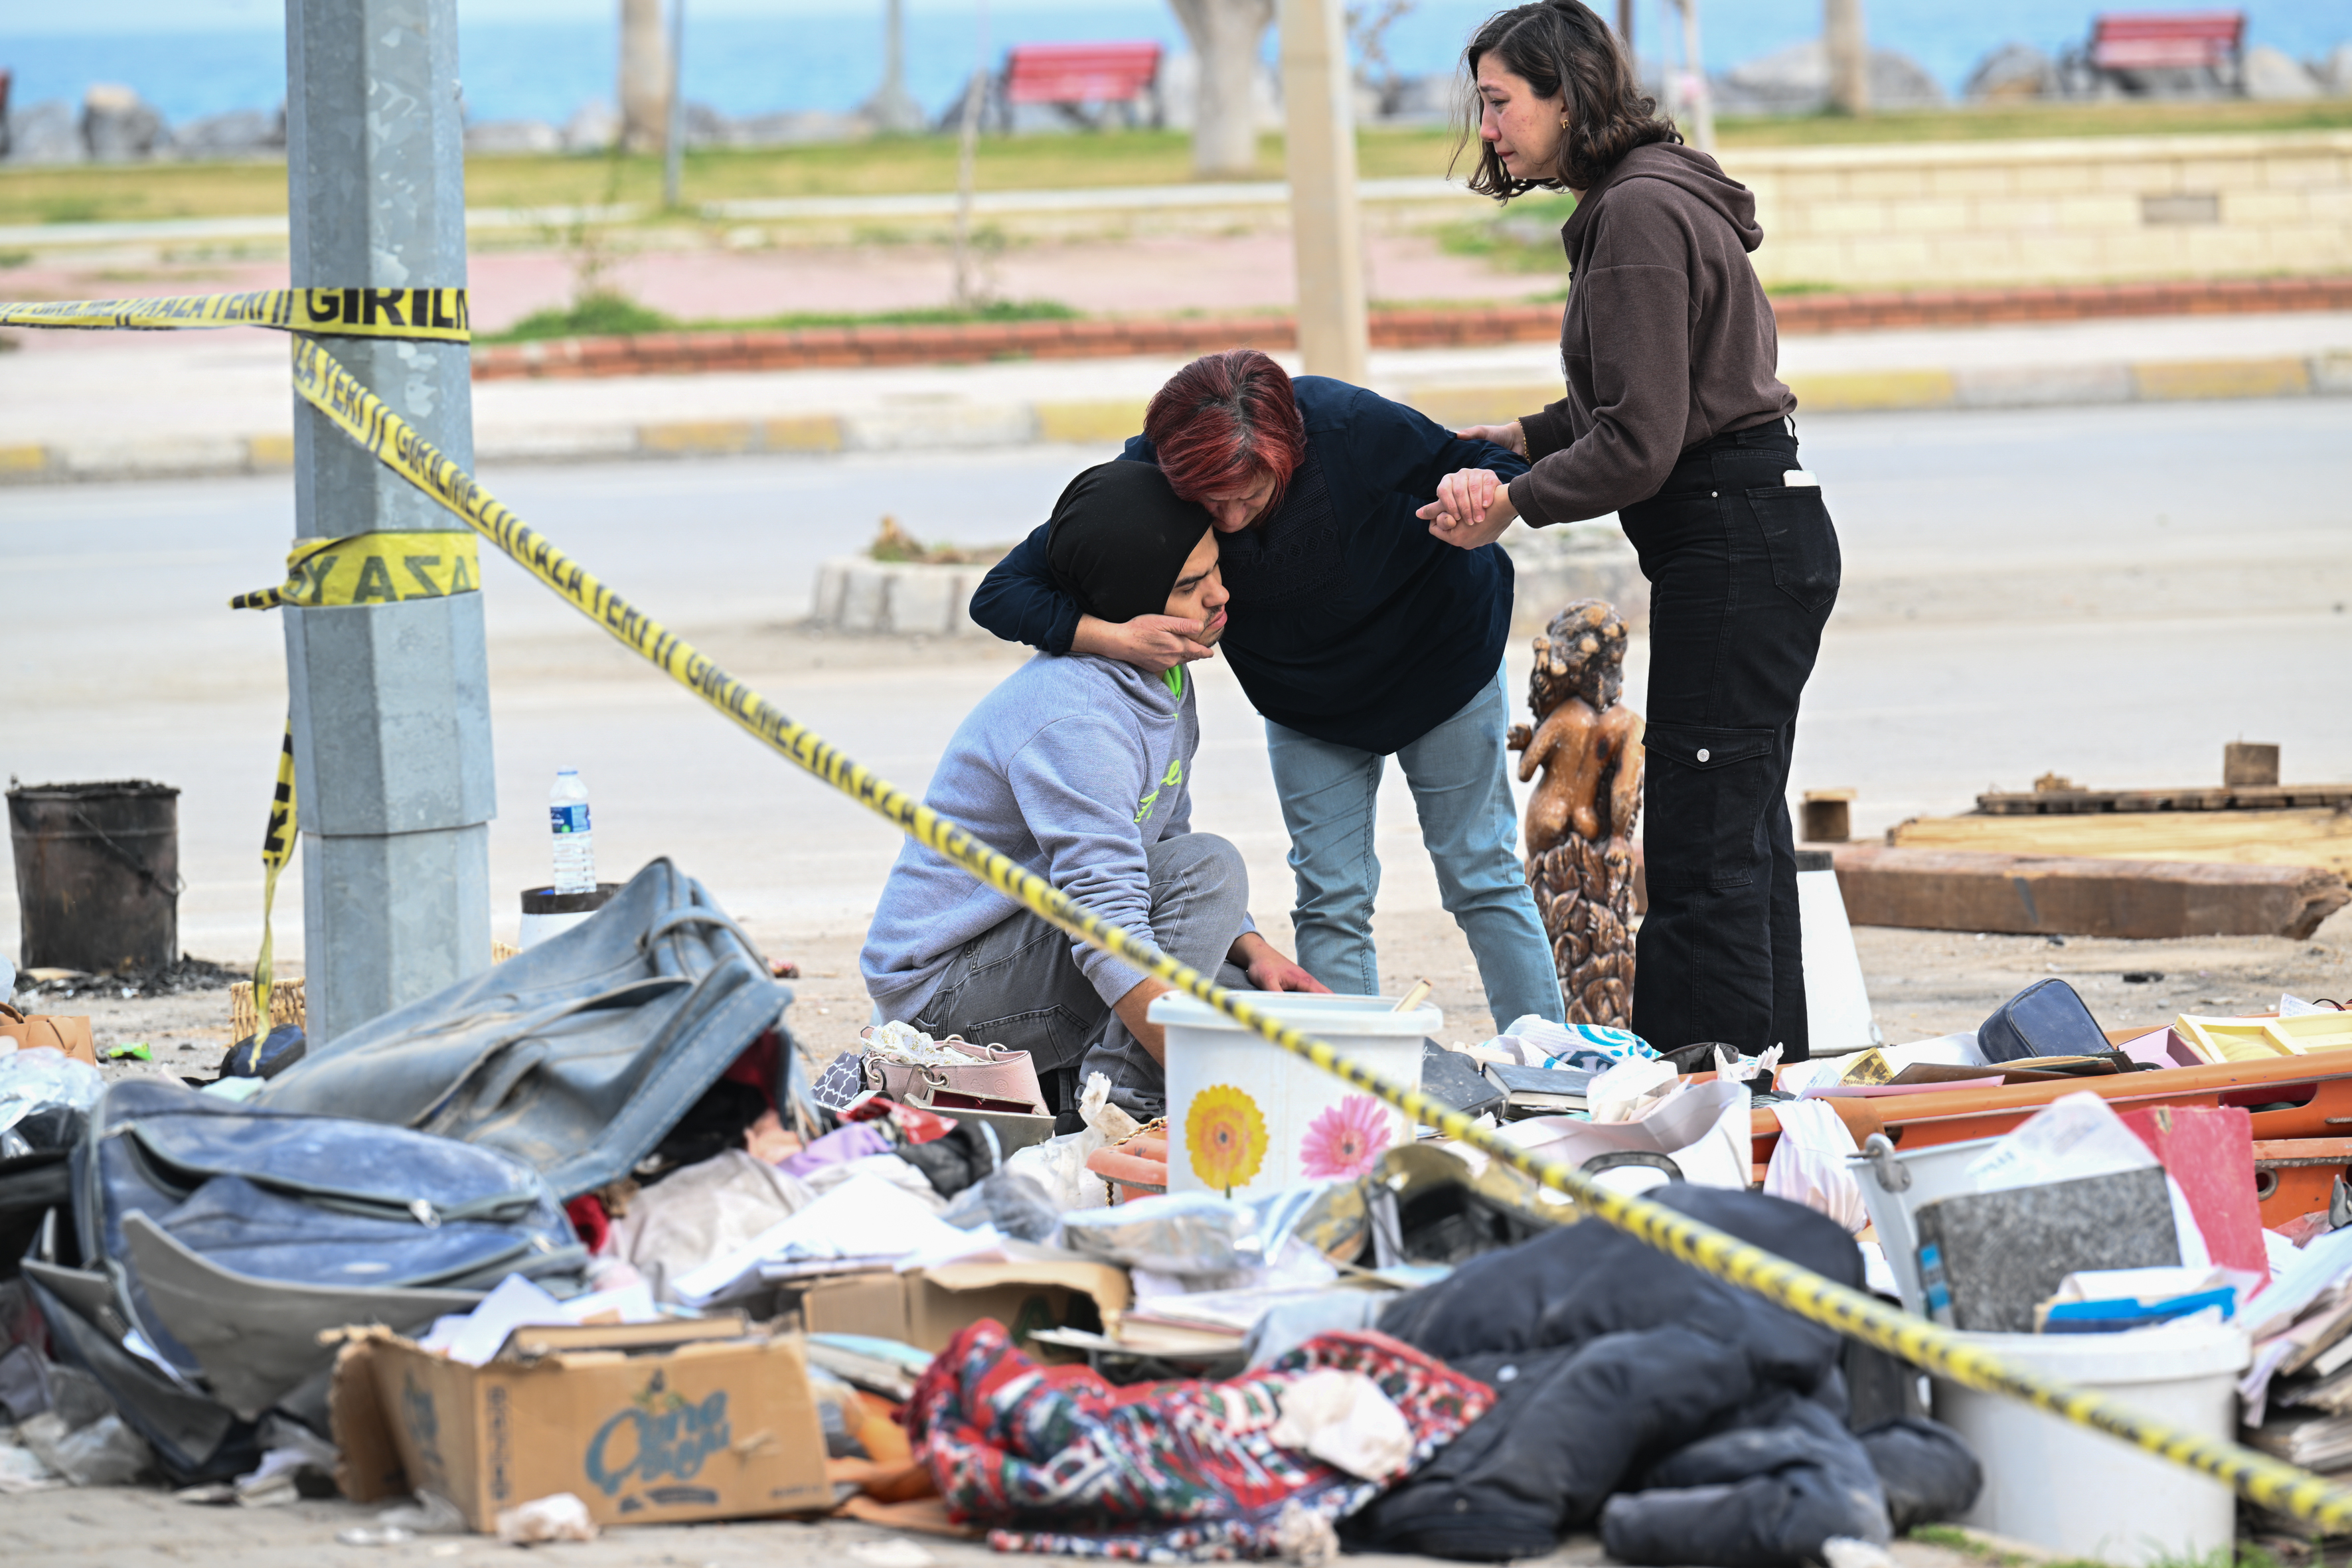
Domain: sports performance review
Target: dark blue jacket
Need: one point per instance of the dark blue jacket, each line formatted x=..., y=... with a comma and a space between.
x=1349, y=621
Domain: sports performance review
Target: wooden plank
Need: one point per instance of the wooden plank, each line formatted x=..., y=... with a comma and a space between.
x=2090, y=802
x=2051, y=895
x=2314, y=837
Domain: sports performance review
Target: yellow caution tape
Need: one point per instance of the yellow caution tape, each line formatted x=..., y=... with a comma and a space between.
x=373, y=569
x=277, y=848
x=436, y=315
x=326, y=385
x=328, y=388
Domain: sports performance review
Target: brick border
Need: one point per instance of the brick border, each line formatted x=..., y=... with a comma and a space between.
x=834, y=348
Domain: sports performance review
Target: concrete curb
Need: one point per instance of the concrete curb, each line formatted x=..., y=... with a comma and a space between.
x=964, y=427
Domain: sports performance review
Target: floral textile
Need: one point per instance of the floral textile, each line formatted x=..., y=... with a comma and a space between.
x=1054, y=1460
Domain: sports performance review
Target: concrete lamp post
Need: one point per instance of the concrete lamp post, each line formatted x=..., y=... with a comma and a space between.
x=1326, y=224
x=390, y=701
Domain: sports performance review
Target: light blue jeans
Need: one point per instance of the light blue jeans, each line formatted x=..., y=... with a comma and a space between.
x=1461, y=787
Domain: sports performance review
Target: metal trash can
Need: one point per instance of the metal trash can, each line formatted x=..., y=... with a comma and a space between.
x=98, y=874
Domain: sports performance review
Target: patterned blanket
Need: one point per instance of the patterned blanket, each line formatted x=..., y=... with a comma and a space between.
x=1054, y=1459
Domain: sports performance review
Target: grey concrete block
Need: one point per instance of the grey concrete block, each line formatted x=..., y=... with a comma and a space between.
x=895, y=597
x=1555, y=566
x=411, y=916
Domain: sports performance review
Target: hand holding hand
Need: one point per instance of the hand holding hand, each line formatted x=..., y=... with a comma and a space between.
x=1473, y=507
x=1153, y=643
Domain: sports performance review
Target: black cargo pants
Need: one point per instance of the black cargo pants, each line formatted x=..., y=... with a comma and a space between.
x=1743, y=570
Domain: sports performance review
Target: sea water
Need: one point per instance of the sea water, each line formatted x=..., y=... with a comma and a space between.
x=541, y=59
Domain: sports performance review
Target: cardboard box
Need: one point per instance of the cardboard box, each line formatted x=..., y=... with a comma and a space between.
x=928, y=1309
x=721, y=1429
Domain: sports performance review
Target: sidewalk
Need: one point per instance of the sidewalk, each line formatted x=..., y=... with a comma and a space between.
x=121, y=405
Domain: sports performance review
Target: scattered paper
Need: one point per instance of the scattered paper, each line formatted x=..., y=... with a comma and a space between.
x=2073, y=1137
x=475, y=1337
x=863, y=1217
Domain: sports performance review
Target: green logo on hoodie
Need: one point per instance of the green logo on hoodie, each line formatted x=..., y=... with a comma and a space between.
x=1174, y=775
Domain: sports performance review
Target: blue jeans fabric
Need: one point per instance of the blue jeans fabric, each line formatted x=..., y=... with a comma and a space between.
x=1461, y=788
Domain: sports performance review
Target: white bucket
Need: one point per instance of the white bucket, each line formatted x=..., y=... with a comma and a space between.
x=1245, y=1117
x=2080, y=1492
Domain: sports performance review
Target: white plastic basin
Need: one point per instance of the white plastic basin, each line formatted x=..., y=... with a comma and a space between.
x=1245, y=1117
x=2080, y=1492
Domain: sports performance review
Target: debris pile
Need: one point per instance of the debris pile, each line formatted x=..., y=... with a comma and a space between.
x=602, y=1190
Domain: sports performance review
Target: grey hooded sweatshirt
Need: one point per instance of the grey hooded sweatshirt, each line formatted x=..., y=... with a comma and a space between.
x=1073, y=766
x=1667, y=339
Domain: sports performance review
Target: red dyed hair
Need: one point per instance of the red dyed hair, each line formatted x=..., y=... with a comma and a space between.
x=1223, y=420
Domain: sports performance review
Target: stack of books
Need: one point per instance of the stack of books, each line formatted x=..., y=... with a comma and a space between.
x=1540, y=1092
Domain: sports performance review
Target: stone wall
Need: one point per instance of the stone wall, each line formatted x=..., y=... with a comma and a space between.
x=2082, y=209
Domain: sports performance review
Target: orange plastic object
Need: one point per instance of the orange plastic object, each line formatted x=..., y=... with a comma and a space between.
x=2308, y=1097
x=2296, y=1176
x=1134, y=1174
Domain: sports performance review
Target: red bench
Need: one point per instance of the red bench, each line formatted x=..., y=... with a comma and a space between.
x=1071, y=77
x=2177, y=40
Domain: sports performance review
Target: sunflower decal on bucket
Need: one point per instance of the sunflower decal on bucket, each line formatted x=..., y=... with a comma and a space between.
x=1225, y=1135
x=1345, y=1138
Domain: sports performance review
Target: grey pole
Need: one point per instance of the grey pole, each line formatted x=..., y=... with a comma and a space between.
x=892, y=108
x=674, y=138
x=390, y=702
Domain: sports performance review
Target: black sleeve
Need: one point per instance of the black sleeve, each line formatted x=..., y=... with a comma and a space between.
x=1018, y=602
x=1396, y=451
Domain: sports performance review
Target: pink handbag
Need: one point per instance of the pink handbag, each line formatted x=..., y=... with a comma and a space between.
x=991, y=1074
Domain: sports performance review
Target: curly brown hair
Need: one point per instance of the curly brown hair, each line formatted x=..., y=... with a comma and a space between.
x=1561, y=49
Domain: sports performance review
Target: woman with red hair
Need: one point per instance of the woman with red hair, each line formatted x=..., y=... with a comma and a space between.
x=1356, y=634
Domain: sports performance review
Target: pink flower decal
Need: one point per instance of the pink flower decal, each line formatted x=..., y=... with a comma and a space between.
x=1345, y=1139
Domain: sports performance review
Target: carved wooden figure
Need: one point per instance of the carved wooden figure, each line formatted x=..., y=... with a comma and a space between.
x=1580, y=821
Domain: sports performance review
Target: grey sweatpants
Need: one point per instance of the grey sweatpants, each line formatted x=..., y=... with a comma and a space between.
x=1014, y=984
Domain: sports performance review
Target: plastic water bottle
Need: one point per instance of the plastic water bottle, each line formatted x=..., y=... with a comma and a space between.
x=575, y=846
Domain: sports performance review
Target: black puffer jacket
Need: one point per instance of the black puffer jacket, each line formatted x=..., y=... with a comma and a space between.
x=1709, y=1422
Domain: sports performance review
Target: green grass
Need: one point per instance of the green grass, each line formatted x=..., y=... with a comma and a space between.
x=609, y=314
x=2244, y=1554
x=897, y=165
x=1524, y=237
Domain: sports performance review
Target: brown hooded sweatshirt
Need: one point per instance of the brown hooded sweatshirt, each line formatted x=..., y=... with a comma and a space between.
x=1667, y=341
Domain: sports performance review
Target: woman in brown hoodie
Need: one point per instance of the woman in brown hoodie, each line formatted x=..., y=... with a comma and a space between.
x=1676, y=420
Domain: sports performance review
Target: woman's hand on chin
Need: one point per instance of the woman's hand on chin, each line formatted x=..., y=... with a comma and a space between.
x=1153, y=643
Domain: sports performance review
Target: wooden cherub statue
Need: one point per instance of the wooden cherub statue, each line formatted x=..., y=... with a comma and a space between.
x=1580, y=821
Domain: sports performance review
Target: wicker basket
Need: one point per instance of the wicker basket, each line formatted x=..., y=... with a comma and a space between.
x=286, y=1007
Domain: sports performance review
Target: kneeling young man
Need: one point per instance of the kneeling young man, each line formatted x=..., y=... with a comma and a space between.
x=1078, y=768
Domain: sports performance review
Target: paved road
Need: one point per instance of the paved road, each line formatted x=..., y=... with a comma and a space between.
x=2111, y=593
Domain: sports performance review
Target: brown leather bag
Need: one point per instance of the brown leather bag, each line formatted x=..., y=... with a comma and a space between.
x=69, y=1033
